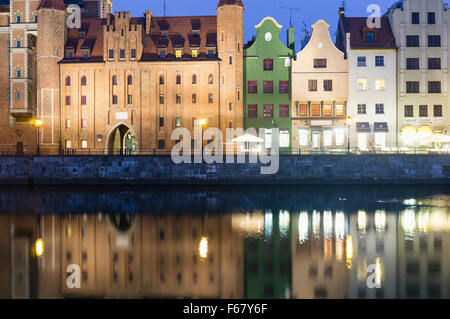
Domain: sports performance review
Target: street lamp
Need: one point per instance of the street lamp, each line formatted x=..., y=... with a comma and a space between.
x=203, y=248
x=37, y=123
x=348, y=122
x=39, y=247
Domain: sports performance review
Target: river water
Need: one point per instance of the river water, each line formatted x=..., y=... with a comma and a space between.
x=225, y=242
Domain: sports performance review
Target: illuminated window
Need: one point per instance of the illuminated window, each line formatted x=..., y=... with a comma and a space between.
x=327, y=110
x=379, y=85
x=68, y=144
x=178, y=54
x=340, y=136
x=315, y=110
x=362, y=84
x=194, y=53
x=327, y=137
x=303, y=137
x=303, y=109
x=178, y=121
x=68, y=123
x=339, y=110
x=284, y=138
x=84, y=144
x=83, y=123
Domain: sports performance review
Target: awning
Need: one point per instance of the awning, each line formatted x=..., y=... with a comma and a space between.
x=363, y=127
x=380, y=127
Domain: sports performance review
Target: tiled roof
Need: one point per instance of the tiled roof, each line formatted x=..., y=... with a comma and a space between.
x=230, y=3
x=182, y=32
x=52, y=4
x=356, y=26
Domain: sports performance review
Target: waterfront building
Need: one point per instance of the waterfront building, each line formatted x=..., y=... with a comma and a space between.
x=372, y=95
x=421, y=30
x=267, y=80
x=320, y=94
x=120, y=82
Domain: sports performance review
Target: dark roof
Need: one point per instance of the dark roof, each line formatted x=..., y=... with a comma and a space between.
x=357, y=26
x=178, y=34
x=52, y=4
x=230, y=3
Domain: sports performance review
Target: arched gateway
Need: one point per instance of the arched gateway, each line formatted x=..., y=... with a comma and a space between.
x=122, y=141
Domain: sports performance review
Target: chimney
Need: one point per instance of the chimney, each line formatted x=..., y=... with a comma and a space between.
x=148, y=21
x=341, y=11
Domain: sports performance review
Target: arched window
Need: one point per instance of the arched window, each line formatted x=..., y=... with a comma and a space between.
x=83, y=81
x=130, y=80
x=194, y=79
x=68, y=81
x=211, y=79
x=178, y=79
x=114, y=80
x=68, y=144
x=161, y=79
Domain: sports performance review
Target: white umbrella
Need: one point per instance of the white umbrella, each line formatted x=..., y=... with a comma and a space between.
x=437, y=138
x=248, y=138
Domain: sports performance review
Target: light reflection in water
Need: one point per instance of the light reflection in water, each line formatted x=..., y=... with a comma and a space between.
x=270, y=253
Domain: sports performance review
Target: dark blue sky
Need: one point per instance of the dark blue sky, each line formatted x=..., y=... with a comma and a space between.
x=256, y=10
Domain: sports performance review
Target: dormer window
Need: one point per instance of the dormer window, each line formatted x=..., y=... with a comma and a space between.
x=162, y=54
x=85, y=54
x=164, y=33
x=211, y=53
x=69, y=54
x=369, y=36
x=178, y=53
x=194, y=53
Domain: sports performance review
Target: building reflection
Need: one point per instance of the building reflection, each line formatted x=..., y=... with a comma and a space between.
x=270, y=253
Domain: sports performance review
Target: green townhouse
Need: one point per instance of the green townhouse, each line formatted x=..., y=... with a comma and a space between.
x=267, y=80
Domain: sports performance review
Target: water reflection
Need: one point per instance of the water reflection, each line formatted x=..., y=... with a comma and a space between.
x=273, y=252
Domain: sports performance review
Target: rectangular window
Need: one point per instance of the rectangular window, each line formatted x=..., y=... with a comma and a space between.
x=111, y=54
x=379, y=108
x=362, y=84
x=340, y=136
x=327, y=110
x=115, y=100
x=328, y=85
x=320, y=63
x=122, y=54
x=434, y=63
x=361, y=109
x=379, y=60
x=18, y=44
x=328, y=138
x=161, y=122
x=178, y=121
x=178, y=54
x=431, y=18
x=412, y=41
x=252, y=87
x=362, y=61
x=284, y=138
x=423, y=110
x=83, y=123
x=268, y=64
x=409, y=111
x=339, y=110
x=84, y=144
x=161, y=144
x=303, y=137
x=316, y=110
x=284, y=110
x=434, y=40
x=369, y=36
x=434, y=87
x=18, y=18
x=303, y=109
x=312, y=85
x=253, y=111
x=83, y=100
x=268, y=110
x=210, y=98
x=194, y=53
x=268, y=86
x=68, y=100
x=194, y=98
x=68, y=124
x=18, y=73
x=161, y=99
x=133, y=53
x=415, y=18
x=230, y=106
x=412, y=63
x=412, y=87
x=379, y=85
x=437, y=111
x=178, y=99
x=130, y=99
x=284, y=87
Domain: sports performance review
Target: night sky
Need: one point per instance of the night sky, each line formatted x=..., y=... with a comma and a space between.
x=256, y=10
